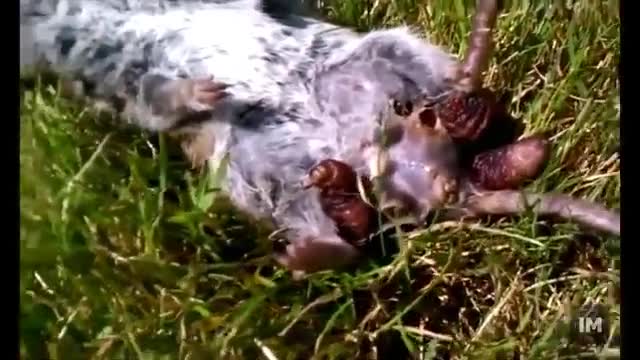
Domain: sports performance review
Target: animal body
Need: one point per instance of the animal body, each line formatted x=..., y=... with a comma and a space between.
x=272, y=93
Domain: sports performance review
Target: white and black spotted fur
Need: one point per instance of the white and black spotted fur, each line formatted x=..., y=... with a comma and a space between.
x=301, y=90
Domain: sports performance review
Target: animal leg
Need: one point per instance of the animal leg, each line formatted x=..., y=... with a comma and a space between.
x=161, y=103
x=181, y=107
x=509, y=202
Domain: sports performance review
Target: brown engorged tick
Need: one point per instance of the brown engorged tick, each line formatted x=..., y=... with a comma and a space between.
x=341, y=200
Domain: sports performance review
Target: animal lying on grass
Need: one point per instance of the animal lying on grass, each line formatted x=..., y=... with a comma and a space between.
x=321, y=129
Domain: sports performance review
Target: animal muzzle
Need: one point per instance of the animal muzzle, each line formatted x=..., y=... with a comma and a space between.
x=414, y=189
x=416, y=165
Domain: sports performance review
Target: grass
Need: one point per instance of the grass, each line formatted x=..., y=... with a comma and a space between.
x=127, y=254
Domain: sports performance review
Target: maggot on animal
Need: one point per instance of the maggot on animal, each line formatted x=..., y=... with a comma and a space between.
x=300, y=109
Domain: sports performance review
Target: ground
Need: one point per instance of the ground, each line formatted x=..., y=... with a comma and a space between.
x=127, y=254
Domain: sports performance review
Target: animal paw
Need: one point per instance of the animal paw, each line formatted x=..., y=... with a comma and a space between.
x=197, y=143
x=198, y=148
x=202, y=94
x=314, y=253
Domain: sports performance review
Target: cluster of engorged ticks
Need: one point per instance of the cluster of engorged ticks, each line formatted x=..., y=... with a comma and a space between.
x=492, y=166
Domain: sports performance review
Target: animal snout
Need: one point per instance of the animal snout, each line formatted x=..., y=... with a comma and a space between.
x=419, y=168
x=416, y=189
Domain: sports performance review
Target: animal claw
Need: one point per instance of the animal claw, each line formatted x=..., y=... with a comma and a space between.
x=204, y=93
